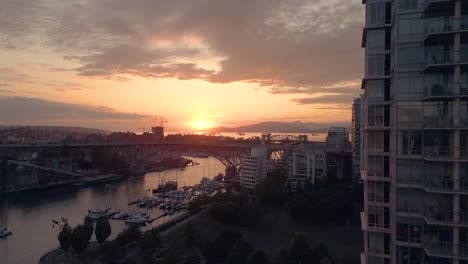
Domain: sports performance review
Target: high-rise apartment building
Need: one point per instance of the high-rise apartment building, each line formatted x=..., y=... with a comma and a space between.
x=415, y=132
x=337, y=139
x=356, y=137
x=253, y=168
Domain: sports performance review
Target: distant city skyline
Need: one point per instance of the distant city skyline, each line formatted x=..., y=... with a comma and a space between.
x=198, y=64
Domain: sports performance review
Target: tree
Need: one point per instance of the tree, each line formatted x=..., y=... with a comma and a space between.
x=225, y=213
x=112, y=252
x=283, y=257
x=319, y=252
x=64, y=237
x=239, y=252
x=103, y=230
x=299, y=251
x=189, y=234
x=258, y=258
x=217, y=250
x=251, y=213
x=325, y=260
x=150, y=240
x=79, y=239
x=128, y=235
x=88, y=223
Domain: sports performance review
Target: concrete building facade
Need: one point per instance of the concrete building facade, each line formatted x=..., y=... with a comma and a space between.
x=415, y=132
x=308, y=163
x=356, y=137
x=253, y=168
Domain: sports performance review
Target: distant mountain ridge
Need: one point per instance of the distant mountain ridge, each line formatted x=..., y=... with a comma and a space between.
x=282, y=127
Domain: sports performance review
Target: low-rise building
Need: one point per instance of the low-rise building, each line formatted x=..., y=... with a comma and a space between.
x=308, y=163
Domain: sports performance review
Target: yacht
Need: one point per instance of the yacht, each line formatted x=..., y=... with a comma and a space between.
x=4, y=232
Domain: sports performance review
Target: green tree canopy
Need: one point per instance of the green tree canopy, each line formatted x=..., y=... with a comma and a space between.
x=88, y=223
x=64, y=237
x=150, y=240
x=103, y=230
x=251, y=213
x=299, y=251
x=239, y=252
x=258, y=257
x=283, y=257
x=79, y=239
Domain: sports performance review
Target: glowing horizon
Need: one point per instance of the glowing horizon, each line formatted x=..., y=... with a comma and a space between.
x=117, y=72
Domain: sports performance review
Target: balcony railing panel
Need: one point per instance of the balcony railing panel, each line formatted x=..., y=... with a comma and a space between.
x=446, y=24
x=446, y=90
x=435, y=58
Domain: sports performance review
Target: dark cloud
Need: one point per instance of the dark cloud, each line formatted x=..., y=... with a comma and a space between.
x=6, y=91
x=33, y=110
x=276, y=43
x=326, y=99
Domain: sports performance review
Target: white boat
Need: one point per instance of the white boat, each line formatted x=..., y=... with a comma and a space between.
x=136, y=220
x=97, y=213
x=4, y=232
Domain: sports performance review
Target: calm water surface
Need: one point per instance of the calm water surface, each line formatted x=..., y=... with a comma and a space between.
x=29, y=216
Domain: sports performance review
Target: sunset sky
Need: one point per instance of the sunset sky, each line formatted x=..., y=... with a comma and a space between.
x=115, y=64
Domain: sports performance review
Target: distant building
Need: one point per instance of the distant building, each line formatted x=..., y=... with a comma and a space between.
x=337, y=140
x=158, y=132
x=356, y=137
x=253, y=168
x=303, y=138
x=308, y=164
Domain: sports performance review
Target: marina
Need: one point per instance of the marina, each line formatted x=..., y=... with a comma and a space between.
x=28, y=216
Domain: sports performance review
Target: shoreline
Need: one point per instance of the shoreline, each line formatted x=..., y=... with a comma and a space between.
x=75, y=183
x=177, y=223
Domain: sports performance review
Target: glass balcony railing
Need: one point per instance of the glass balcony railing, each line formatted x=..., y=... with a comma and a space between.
x=446, y=57
x=428, y=3
x=437, y=248
x=438, y=152
x=445, y=122
x=443, y=90
x=444, y=217
x=444, y=153
x=434, y=247
x=464, y=217
x=445, y=185
x=446, y=24
x=435, y=217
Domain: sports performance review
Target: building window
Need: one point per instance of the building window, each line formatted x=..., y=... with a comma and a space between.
x=378, y=115
x=409, y=4
x=376, y=14
x=376, y=64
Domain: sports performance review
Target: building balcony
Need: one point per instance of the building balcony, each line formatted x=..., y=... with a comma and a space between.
x=445, y=217
x=445, y=25
x=445, y=59
x=435, y=248
x=434, y=184
x=431, y=5
x=439, y=92
x=445, y=122
x=444, y=153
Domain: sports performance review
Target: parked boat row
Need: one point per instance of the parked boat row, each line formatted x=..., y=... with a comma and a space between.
x=98, y=213
x=166, y=187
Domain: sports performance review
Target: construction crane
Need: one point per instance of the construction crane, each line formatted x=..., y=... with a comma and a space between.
x=161, y=121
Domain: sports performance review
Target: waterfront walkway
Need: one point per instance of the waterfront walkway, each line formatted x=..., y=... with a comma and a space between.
x=93, y=253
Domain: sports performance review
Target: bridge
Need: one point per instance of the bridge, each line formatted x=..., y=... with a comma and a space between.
x=133, y=154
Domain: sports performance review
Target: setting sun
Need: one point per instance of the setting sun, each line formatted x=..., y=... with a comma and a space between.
x=200, y=124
